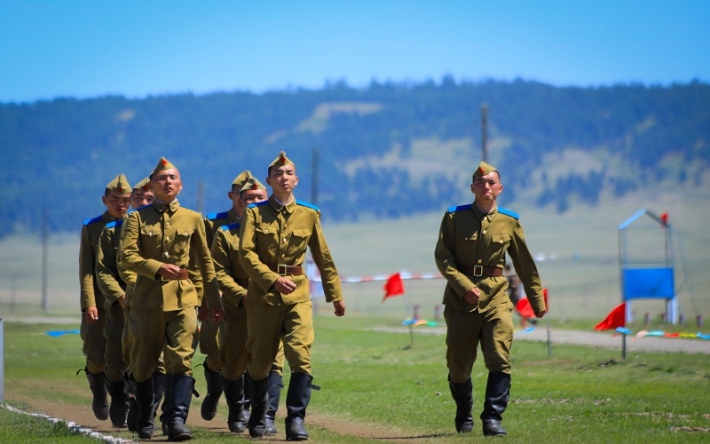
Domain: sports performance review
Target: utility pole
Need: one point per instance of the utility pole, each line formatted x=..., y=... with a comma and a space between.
x=484, y=132
x=45, y=242
x=200, y=196
x=314, y=182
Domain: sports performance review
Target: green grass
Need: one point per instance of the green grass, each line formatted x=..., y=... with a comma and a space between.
x=20, y=428
x=376, y=380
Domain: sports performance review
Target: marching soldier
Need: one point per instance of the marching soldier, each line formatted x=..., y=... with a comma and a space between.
x=274, y=236
x=157, y=244
x=470, y=253
x=116, y=198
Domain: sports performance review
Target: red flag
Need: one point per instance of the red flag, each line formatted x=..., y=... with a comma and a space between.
x=616, y=318
x=664, y=218
x=393, y=287
x=525, y=309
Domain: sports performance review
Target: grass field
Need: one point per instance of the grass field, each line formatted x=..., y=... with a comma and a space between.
x=374, y=386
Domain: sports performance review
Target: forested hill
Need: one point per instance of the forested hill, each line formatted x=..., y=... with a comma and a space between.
x=388, y=150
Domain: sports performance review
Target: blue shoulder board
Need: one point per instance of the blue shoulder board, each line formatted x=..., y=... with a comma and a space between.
x=507, y=212
x=459, y=208
x=114, y=224
x=213, y=216
x=258, y=204
x=230, y=226
x=144, y=206
x=93, y=220
x=307, y=205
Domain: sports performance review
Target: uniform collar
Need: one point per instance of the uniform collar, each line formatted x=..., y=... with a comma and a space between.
x=286, y=207
x=162, y=206
x=481, y=215
x=107, y=217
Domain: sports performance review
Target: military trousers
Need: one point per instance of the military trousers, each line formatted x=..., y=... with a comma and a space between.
x=233, y=350
x=268, y=325
x=210, y=340
x=127, y=341
x=113, y=331
x=493, y=329
x=154, y=331
x=94, y=342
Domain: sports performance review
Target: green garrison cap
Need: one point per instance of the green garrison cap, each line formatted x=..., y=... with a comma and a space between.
x=281, y=160
x=143, y=184
x=163, y=164
x=120, y=184
x=252, y=183
x=483, y=169
x=238, y=181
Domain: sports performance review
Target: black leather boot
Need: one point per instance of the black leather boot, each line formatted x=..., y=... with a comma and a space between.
x=275, y=386
x=158, y=393
x=132, y=415
x=497, y=396
x=99, y=403
x=167, y=397
x=181, y=387
x=297, y=400
x=463, y=396
x=119, y=402
x=214, y=391
x=143, y=392
x=234, y=393
x=259, y=396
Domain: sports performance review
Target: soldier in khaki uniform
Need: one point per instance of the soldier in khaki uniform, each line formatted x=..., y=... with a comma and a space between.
x=157, y=245
x=210, y=331
x=274, y=236
x=470, y=253
x=113, y=288
x=233, y=282
x=116, y=198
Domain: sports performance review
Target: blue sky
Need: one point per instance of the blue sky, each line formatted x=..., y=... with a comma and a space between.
x=85, y=49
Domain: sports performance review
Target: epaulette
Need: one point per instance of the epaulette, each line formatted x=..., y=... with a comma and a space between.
x=114, y=224
x=229, y=227
x=507, y=212
x=455, y=208
x=213, y=216
x=307, y=205
x=258, y=204
x=144, y=206
x=93, y=220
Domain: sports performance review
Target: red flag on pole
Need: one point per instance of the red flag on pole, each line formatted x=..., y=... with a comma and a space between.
x=664, y=218
x=393, y=287
x=616, y=318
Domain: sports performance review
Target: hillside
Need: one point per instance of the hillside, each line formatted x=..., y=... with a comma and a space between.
x=387, y=151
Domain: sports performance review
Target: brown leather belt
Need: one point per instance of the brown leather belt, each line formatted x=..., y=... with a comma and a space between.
x=180, y=277
x=244, y=283
x=283, y=270
x=479, y=270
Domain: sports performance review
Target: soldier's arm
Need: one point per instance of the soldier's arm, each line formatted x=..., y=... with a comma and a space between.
x=126, y=275
x=106, y=267
x=87, y=264
x=445, y=260
x=222, y=268
x=131, y=258
x=526, y=269
x=201, y=252
x=321, y=256
x=248, y=255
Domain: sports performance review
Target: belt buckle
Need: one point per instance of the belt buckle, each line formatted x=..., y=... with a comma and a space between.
x=478, y=270
x=281, y=267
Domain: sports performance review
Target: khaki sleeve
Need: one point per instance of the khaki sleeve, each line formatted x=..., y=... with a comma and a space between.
x=87, y=264
x=131, y=257
x=445, y=260
x=248, y=255
x=222, y=268
x=201, y=252
x=321, y=256
x=107, y=268
x=526, y=269
x=126, y=275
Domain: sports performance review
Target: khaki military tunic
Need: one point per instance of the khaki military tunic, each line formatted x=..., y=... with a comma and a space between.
x=162, y=311
x=273, y=234
x=210, y=332
x=113, y=288
x=469, y=238
x=233, y=281
x=92, y=334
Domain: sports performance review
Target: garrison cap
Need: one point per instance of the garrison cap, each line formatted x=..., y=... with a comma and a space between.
x=483, y=169
x=252, y=183
x=241, y=178
x=163, y=164
x=142, y=185
x=120, y=184
x=281, y=160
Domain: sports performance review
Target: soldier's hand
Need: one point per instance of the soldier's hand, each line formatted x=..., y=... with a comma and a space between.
x=201, y=313
x=284, y=285
x=169, y=271
x=217, y=314
x=92, y=314
x=339, y=308
x=540, y=314
x=473, y=296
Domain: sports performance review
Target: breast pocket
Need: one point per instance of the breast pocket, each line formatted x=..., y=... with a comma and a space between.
x=181, y=244
x=299, y=240
x=266, y=239
x=149, y=238
x=466, y=243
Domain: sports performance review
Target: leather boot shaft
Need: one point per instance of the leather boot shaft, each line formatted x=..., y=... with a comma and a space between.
x=214, y=392
x=234, y=393
x=463, y=396
x=297, y=400
x=275, y=386
x=259, y=396
x=119, y=402
x=497, y=397
x=99, y=402
x=143, y=393
x=181, y=388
